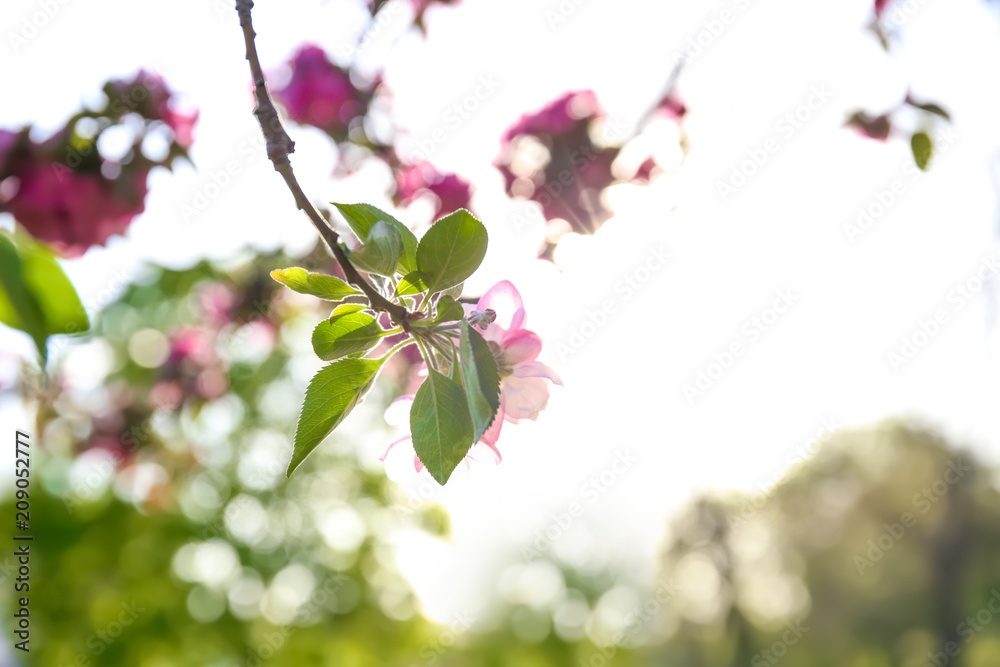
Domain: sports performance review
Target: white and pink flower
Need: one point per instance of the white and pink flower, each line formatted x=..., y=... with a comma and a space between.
x=523, y=389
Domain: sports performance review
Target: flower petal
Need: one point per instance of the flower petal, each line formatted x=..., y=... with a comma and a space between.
x=520, y=345
x=418, y=465
x=398, y=412
x=393, y=444
x=524, y=397
x=504, y=299
x=502, y=412
x=496, y=452
x=493, y=432
x=536, y=369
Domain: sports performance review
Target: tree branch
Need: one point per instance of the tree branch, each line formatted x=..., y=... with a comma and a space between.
x=279, y=147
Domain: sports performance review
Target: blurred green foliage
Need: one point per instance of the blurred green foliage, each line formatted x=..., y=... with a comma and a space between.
x=167, y=534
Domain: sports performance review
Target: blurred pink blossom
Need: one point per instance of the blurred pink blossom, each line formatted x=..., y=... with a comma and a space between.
x=147, y=94
x=568, y=185
x=65, y=193
x=320, y=93
x=671, y=107
x=523, y=391
x=451, y=191
x=560, y=116
x=871, y=127
x=72, y=210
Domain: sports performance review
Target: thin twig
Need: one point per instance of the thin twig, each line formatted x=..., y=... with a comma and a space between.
x=279, y=147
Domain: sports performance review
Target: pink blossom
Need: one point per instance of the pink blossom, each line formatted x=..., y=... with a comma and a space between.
x=72, y=210
x=192, y=343
x=568, y=186
x=7, y=139
x=880, y=7
x=217, y=303
x=557, y=117
x=148, y=95
x=645, y=171
x=451, y=191
x=671, y=107
x=319, y=93
x=523, y=391
x=57, y=189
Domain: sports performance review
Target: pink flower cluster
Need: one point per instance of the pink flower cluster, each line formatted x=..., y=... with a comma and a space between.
x=63, y=192
x=320, y=94
x=524, y=392
x=148, y=95
x=451, y=191
x=569, y=185
x=671, y=107
x=69, y=210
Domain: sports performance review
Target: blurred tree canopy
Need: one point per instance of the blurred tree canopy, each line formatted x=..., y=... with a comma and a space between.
x=879, y=550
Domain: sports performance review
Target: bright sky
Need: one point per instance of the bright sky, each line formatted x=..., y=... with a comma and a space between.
x=779, y=239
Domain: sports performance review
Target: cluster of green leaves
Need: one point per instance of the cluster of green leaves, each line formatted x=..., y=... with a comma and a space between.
x=461, y=396
x=35, y=295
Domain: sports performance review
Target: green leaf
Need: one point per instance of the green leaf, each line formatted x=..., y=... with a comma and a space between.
x=449, y=310
x=451, y=250
x=381, y=251
x=441, y=425
x=321, y=285
x=920, y=144
x=482, y=378
x=930, y=107
x=333, y=392
x=18, y=308
x=36, y=296
x=454, y=292
x=345, y=334
x=345, y=308
x=412, y=283
x=362, y=217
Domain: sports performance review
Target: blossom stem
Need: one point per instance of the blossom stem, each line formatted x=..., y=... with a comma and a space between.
x=439, y=346
x=399, y=346
x=279, y=147
x=426, y=354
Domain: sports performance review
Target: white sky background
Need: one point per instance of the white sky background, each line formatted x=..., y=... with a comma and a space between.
x=825, y=358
